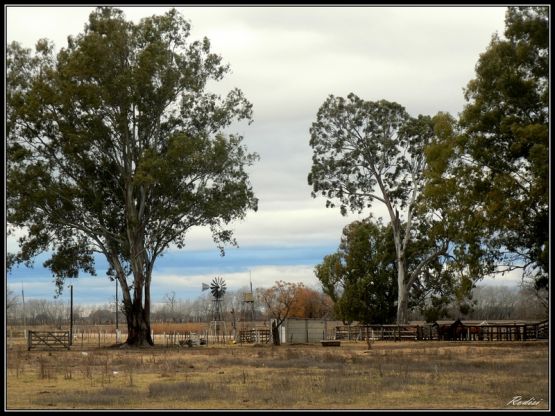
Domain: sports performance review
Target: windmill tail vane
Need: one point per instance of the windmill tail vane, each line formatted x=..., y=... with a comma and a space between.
x=205, y=287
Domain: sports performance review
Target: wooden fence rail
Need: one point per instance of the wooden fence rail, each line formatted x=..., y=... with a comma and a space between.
x=51, y=340
x=483, y=332
x=379, y=332
x=260, y=336
x=515, y=332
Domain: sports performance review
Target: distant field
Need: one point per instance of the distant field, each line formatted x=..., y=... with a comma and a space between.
x=86, y=336
x=391, y=375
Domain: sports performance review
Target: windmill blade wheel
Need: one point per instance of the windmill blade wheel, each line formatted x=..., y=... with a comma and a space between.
x=217, y=287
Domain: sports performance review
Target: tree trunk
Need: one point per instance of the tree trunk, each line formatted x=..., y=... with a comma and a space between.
x=400, y=247
x=275, y=334
x=403, y=295
x=138, y=327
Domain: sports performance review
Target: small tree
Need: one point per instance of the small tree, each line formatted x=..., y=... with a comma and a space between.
x=279, y=300
x=171, y=302
x=360, y=276
x=12, y=307
x=310, y=304
x=11, y=300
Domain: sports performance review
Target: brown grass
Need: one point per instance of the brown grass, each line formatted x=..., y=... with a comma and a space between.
x=407, y=375
x=179, y=327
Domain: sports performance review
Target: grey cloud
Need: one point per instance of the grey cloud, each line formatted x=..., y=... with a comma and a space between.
x=287, y=60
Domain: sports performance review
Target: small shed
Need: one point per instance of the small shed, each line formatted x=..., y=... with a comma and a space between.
x=298, y=330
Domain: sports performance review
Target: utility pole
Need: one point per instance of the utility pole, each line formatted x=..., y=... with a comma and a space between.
x=252, y=294
x=117, y=304
x=71, y=316
x=24, y=312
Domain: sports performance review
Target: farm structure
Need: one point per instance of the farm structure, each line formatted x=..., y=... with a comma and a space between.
x=390, y=332
x=293, y=331
x=298, y=330
x=447, y=330
x=254, y=336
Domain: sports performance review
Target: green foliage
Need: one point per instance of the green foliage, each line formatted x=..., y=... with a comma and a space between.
x=374, y=151
x=356, y=150
x=360, y=276
x=493, y=168
x=114, y=146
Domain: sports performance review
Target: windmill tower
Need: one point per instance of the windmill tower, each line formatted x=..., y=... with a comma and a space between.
x=247, y=316
x=217, y=325
x=247, y=307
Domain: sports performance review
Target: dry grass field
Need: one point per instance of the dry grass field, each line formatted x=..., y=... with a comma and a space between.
x=391, y=375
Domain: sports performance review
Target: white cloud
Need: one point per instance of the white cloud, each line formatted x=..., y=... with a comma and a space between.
x=261, y=276
x=11, y=240
x=511, y=278
x=287, y=60
x=277, y=225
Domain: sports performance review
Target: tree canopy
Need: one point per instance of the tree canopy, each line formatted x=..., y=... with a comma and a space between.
x=114, y=146
x=360, y=276
x=494, y=164
x=279, y=302
x=365, y=151
x=477, y=187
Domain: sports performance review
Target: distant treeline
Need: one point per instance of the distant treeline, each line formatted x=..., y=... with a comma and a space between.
x=488, y=302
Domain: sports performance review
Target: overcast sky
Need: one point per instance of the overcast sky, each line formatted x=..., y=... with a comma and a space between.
x=287, y=60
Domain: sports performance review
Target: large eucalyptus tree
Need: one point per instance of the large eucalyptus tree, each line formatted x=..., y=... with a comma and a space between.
x=114, y=146
x=495, y=163
x=365, y=151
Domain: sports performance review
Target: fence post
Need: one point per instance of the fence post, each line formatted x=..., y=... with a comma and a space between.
x=29, y=341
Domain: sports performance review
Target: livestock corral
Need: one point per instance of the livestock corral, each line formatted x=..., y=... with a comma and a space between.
x=292, y=331
x=357, y=373
x=449, y=331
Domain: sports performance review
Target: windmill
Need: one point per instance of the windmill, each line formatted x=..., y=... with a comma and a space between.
x=247, y=306
x=217, y=288
x=248, y=330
